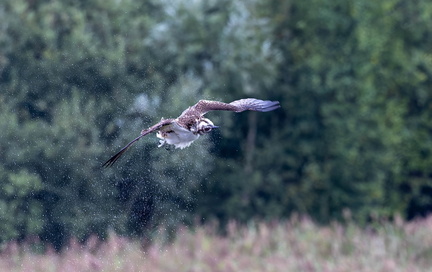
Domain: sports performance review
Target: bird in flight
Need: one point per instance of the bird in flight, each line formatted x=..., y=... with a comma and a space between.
x=186, y=128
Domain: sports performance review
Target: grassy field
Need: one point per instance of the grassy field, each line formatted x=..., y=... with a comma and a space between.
x=294, y=245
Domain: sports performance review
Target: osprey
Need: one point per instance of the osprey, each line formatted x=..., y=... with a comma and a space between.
x=186, y=128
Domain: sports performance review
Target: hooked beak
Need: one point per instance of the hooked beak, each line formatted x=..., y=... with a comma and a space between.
x=215, y=126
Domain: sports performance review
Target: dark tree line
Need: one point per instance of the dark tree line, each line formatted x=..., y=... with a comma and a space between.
x=79, y=79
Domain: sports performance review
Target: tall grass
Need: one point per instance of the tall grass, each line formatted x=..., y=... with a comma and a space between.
x=294, y=245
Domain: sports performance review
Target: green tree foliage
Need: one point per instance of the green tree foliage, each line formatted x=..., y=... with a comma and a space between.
x=64, y=68
x=80, y=79
x=350, y=82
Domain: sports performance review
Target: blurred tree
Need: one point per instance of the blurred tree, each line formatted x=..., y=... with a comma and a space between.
x=347, y=132
x=20, y=210
x=76, y=77
x=63, y=71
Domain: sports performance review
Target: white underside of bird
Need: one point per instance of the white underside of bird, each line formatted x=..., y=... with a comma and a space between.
x=176, y=135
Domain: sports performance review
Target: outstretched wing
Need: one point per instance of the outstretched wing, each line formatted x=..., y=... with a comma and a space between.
x=204, y=106
x=113, y=159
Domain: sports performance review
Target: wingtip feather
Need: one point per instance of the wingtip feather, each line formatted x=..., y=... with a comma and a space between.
x=266, y=105
x=117, y=156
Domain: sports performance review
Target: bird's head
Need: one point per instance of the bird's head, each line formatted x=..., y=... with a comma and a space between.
x=205, y=126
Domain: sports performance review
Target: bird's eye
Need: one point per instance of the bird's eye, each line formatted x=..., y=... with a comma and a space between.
x=207, y=129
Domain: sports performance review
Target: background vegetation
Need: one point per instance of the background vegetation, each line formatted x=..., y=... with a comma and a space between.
x=294, y=245
x=79, y=79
